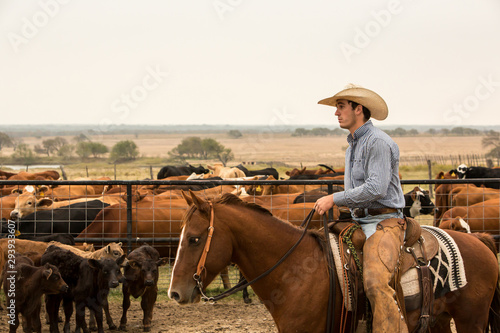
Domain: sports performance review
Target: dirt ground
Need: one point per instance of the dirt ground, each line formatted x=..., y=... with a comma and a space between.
x=225, y=316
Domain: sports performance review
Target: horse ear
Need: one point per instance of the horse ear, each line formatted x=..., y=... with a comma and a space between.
x=186, y=197
x=196, y=201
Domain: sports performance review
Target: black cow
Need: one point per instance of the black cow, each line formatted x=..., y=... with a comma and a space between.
x=89, y=281
x=418, y=202
x=172, y=170
x=314, y=176
x=141, y=279
x=24, y=284
x=72, y=219
x=465, y=172
x=262, y=172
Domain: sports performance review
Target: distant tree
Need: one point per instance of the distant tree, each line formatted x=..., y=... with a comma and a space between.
x=97, y=149
x=5, y=140
x=66, y=151
x=195, y=147
x=492, y=139
x=53, y=145
x=40, y=150
x=23, y=154
x=299, y=132
x=189, y=147
x=225, y=156
x=235, y=134
x=81, y=137
x=124, y=151
x=83, y=149
x=320, y=131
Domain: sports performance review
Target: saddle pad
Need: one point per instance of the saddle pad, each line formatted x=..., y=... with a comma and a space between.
x=447, y=268
x=334, y=243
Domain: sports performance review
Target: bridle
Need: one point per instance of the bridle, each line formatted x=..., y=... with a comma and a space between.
x=244, y=283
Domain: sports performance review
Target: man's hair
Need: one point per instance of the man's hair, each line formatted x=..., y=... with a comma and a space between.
x=366, y=112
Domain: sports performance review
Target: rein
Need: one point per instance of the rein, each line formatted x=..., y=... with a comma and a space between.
x=330, y=323
x=243, y=283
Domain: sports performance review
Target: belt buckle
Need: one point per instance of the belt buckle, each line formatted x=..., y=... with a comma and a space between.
x=359, y=212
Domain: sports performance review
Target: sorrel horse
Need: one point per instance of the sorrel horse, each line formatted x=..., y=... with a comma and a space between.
x=296, y=292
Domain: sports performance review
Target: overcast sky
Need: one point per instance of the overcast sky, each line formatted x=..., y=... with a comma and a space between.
x=246, y=62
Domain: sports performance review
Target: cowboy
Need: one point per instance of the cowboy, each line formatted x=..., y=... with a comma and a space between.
x=373, y=193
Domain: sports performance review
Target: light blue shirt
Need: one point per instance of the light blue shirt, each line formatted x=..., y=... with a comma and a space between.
x=371, y=177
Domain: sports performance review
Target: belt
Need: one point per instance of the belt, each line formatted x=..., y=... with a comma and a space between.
x=360, y=212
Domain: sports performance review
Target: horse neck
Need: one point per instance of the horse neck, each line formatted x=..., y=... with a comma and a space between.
x=260, y=241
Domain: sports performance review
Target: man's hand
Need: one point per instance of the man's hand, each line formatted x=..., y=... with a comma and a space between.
x=323, y=204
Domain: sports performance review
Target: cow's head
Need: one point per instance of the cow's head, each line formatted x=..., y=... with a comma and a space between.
x=148, y=269
x=52, y=282
x=110, y=274
x=419, y=202
x=198, y=169
x=461, y=170
x=30, y=200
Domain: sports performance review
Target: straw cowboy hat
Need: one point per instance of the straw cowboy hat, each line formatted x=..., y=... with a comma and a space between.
x=363, y=96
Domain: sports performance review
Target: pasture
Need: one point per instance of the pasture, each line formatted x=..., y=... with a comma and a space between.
x=279, y=150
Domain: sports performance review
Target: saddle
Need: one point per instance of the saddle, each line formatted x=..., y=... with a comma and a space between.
x=418, y=248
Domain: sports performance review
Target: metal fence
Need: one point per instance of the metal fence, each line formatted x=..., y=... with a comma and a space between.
x=156, y=219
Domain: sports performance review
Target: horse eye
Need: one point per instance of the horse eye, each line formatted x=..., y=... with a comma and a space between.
x=194, y=240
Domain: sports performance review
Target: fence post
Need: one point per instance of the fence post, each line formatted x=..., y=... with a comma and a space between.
x=87, y=171
x=489, y=163
x=65, y=177
x=129, y=217
x=151, y=171
x=115, y=171
x=429, y=166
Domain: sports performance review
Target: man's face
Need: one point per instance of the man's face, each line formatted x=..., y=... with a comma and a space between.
x=345, y=114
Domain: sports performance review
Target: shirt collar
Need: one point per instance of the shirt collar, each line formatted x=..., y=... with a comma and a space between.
x=360, y=131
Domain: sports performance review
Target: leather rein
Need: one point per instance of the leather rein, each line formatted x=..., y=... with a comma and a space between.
x=244, y=283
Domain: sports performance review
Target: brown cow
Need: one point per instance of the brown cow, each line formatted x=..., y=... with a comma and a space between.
x=481, y=217
x=43, y=175
x=280, y=189
x=471, y=194
x=24, y=284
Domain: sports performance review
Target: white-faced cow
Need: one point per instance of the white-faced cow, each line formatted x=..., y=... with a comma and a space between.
x=473, y=172
x=418, y=202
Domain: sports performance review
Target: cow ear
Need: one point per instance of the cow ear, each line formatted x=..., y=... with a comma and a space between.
x=134, y=264
x=162, y=262
x=95, y=264
x=17, y=190
x=186, y=197
x=44, y=202
x=47, y=273
x=120, y=244
x=120, y=260
x=210, y=167
x=43, y=188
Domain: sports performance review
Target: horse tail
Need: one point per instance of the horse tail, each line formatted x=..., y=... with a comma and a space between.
x=494, y=314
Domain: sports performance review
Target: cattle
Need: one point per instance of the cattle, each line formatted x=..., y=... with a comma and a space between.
x=89, y=282
x=30, y=201
x=261, y=172
x=418, y=202
x=72, y=219
x=471, y=194
x=24, y=284
x=43, y=175
x=171, y=170
x=318, y=176
x=314, y=195
x=280, y=189
x=465, y=172
x=225, y=172
x=141, y=280
x=304, y=171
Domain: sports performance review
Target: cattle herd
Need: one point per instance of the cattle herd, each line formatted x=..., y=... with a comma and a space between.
x=49, y=231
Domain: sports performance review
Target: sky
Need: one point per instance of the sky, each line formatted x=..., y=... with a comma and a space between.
x=241, y=62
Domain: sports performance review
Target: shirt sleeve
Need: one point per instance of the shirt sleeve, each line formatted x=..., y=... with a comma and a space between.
x=377, y=169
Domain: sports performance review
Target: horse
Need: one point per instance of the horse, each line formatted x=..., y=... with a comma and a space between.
x=296, y=292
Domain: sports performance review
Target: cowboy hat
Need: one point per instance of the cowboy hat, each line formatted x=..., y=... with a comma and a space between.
x=369, y=99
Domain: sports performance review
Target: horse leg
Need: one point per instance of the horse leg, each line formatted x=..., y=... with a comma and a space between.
x=246, y=296
x=224, y=275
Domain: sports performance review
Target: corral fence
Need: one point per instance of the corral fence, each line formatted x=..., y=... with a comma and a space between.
x=163, y=217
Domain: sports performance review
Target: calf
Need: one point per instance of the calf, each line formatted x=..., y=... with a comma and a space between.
x=418, y=202
x=89, y=281
x=24, y=284
x=141, y=279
